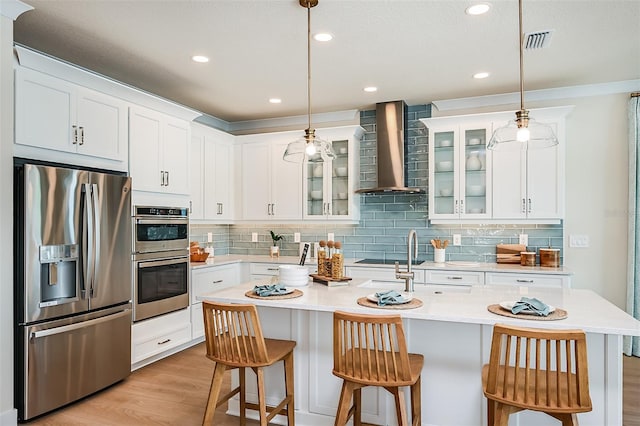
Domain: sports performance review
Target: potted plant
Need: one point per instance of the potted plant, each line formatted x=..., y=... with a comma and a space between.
x=275, y=250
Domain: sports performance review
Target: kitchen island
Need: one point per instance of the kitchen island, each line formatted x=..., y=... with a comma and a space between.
x=453, y=330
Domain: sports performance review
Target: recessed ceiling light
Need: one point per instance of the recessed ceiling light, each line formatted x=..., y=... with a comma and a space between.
x=480, y=75
x=200, y=58
x=322, y=37
x=371, y=89
x=478, y=9
x=275, y=100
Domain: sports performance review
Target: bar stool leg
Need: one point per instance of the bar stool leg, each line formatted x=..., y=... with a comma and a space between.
x=401, y=410
x=262, y=397
x=289, y=389
x=214, y=392
x=357, y=403
x=345, y=400
x=416, y=403
x=243, y=396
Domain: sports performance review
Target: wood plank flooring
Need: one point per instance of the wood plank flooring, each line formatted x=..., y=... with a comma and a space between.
x=174, y=391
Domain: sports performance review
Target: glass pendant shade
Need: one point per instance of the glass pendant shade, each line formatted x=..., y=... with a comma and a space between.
x=314, y=149
x=518, y=135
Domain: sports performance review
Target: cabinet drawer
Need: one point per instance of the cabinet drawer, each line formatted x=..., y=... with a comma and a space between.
x=530, y=280
x=264, y=269
x=205, y=281
x=160, y=334
x=454, y=277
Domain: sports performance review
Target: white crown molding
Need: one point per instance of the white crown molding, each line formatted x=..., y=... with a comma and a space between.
x=350, y=116
x=570, y=92
x=13, y=8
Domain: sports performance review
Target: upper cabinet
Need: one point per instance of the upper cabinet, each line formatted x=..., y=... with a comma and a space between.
x=159, y=154
x=469, y=183
x=211, y=174
x=459, y=171
x=56, y=118
x=329, y=187
x=271, y=188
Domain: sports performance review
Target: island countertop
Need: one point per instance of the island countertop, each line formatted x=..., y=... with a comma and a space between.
x=586, y=310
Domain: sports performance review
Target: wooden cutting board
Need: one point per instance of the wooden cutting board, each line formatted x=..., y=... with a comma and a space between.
x=330, y=282
x=509, y=253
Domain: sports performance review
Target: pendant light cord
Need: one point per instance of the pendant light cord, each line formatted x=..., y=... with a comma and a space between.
x=521, y=37
x=309, y=63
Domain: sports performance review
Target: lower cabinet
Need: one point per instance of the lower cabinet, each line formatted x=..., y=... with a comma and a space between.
x=450, y=277
x=263, y=271
x=385, y=273
x=207, y=280
x=529, y=280
x=160, y=334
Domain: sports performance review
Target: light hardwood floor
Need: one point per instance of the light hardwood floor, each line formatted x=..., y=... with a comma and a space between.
x=174, y=391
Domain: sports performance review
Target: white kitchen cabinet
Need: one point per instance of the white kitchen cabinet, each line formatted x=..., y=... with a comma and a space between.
x=383, y=273
x=159, y=152
x=459, y=169
x=263, y=271
x=206, y=280
x=159, y=336
x=211, y=174
x=62, y=117
x=271, y=188
x=528, y=280
x=454, y=277
x=329, y=187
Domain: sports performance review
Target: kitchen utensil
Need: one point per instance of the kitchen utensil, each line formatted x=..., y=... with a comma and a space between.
x=305, y=250
x=445, y=244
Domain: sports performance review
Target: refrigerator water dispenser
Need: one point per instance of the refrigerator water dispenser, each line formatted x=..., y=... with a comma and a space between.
x=58, y=274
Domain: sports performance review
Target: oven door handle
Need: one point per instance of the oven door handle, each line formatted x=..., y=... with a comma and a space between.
x=162, y=262
x=165, y=221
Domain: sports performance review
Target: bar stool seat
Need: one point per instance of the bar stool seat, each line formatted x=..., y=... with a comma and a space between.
x=371, y=350
x=234, y=339
x=536, y=369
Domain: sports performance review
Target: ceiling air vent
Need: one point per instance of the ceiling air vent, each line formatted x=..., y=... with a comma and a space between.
x=537, y=40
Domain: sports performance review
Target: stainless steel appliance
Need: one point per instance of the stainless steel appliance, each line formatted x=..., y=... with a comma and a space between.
x=72, y=284
x=160, y=261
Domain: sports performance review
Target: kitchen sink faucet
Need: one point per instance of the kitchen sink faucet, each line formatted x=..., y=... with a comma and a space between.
x=408, y=275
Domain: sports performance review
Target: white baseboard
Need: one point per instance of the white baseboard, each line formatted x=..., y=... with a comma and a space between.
x=9, y=417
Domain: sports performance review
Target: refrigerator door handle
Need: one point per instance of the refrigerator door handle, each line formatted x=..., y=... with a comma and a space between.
x=76, y=326
x=97, y=223
x=88, y=240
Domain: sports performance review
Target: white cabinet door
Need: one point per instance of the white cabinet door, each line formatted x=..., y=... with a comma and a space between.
x=510, y=184
x=223, y=186
x=208, y=280
x=528, y=280
x=57, y=115
x=196, y=203
x=545, y=183
x=256, y=184
x=286, y=185
x=159, y=154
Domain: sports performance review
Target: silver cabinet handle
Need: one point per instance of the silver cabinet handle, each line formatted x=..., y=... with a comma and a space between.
x=74, y=136
x=455, y=210
x=161, y=177
x=529, y=209
x=525, y=281
x=81, y=135
x=167, y=174
x=216, y=281
x=190, y=207
x=524, y=205
x=454, y=278
x=272, y=269
x=461, y=206
x=273, y=209
x=164, y=341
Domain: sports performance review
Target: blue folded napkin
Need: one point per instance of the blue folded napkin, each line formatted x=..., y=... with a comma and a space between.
x=269, y=290
x=390, y=297
x=531, y=305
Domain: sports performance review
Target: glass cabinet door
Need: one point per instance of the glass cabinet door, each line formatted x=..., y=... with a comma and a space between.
x=445, y=181
x=474, y=179
x=315, y=189
x=339, y=201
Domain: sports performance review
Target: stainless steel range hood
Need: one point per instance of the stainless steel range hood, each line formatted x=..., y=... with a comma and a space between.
x=391, y=125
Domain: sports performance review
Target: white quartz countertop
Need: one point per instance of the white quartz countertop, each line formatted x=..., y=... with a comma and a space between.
x=453, y=266
x=586, y=310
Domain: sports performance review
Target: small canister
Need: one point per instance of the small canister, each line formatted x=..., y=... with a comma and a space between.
x=550, y=257
x=528, y=258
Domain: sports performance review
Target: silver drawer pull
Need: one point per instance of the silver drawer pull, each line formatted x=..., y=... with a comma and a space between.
x=217, y=281
x=164, y=341
x=454, y=278
x=524, y=281
x=272, y=269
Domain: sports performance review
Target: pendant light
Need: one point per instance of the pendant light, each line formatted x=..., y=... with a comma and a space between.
x=523, y=132
x=309, y=146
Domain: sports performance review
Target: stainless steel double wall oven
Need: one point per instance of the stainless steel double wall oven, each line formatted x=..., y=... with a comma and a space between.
x=160, y=261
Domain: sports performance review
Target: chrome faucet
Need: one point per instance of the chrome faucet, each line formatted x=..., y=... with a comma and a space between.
x=408, y=275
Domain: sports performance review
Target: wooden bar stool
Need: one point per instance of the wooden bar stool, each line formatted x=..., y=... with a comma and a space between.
x=234, y=340
x=536, y=369
x=371, y=350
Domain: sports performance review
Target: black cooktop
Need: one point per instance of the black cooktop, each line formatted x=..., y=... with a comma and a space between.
x=388, y=261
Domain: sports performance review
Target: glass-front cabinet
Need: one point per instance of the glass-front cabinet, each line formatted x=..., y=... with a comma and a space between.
x=329, y=186
x=459, y=169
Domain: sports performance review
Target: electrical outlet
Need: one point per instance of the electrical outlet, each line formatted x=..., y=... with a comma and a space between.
x=296, y=237
x=579, y=241
x=254, y=237
x=524, y=239
x=330, y=236
x=457, y=239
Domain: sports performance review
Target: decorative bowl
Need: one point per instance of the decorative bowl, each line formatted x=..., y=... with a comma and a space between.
x=475, y=190
x=199, y=256
x=445, y=143
x=474, y=141
x=444, y=166
x=342, y=150
x=316, y=195
x=446, y=192
x=341, y=171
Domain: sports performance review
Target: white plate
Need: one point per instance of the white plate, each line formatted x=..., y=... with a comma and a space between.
x=407, y=296
x=509, y=305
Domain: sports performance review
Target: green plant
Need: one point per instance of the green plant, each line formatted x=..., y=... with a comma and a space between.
x=275, y=237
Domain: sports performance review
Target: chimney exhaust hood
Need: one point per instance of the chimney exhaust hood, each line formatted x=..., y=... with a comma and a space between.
x=392, y=128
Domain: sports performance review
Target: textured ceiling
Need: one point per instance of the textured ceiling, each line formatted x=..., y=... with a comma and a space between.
x=416, y=50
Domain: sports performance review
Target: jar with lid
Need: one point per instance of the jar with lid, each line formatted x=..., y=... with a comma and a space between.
x=328, y=264
x=322, y=257
x=337, y=262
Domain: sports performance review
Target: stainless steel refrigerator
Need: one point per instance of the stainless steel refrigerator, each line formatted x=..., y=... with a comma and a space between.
x=72, y=245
